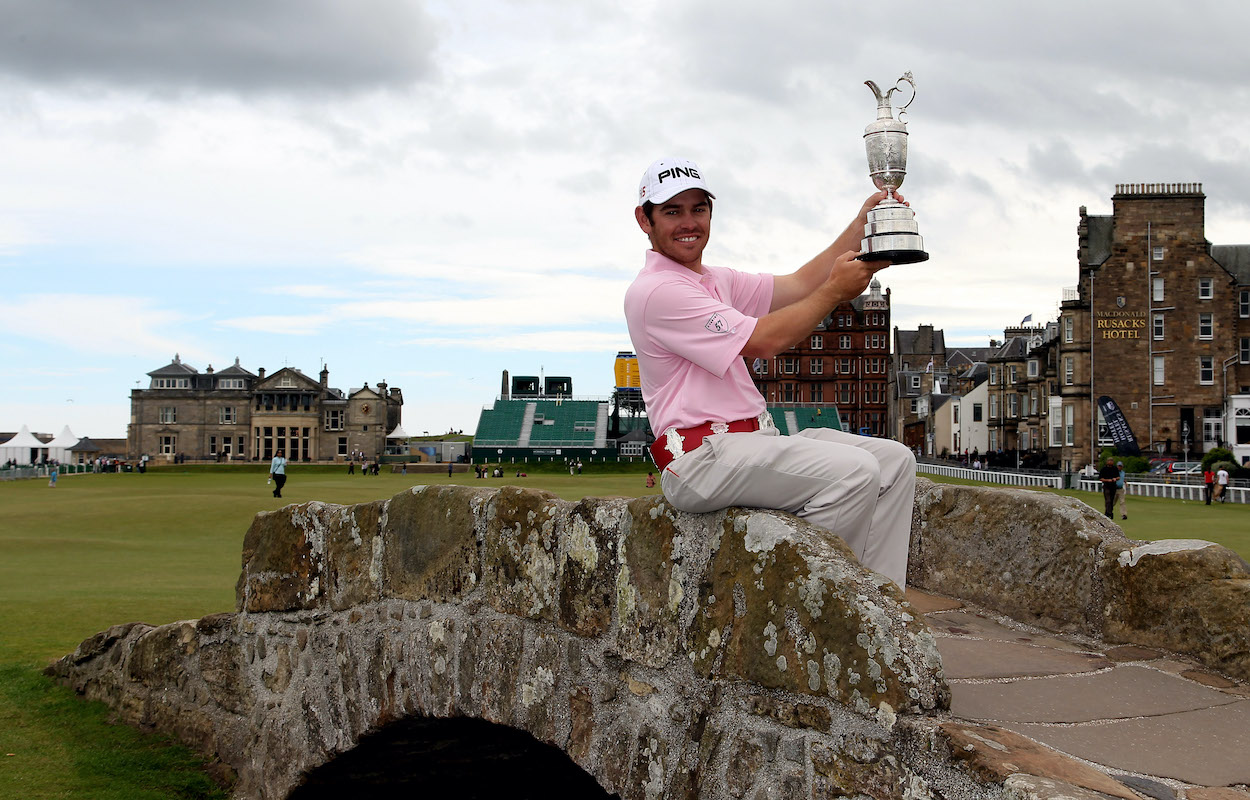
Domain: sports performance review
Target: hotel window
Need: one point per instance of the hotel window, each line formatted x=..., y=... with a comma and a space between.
x=230, y=383
x=1244, y=350
x=993, y=406
x=818, y=342
x=1067, y=329
x=1243, y=303
x=1011, y=375
x=1156, y=293
x=1069, y=429
x=976, y=412
x=1206, y=370
x=168, y=415
x=1069, y=369
x=818, y=393
x=846, y=393
x=1158, y=254
x=212, y=445
x=1013, y=405
x=915, y=381
x=226, y=415
x=787, y=393
x=343, y=446
x=1206, y=288
x=844, y=342
x=1159, y=374
x=1158, y=326
x=334, y=419
x=1033, y=402
x=1206, y=326
x=993, y=376
x=818, y=366
x=955, y=413
x=789, y=365
x=1034, y=367
x=168, y=445
x=845, y=367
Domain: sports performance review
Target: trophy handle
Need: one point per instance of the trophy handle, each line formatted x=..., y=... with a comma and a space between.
x=907, y=78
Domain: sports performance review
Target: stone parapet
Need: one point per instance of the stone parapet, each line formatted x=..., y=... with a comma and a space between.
x=1057, y=563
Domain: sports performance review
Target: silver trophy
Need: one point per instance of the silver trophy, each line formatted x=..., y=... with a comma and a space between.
x=891, y=233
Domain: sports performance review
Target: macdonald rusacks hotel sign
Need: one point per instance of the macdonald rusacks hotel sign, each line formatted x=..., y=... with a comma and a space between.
x=1120, y=324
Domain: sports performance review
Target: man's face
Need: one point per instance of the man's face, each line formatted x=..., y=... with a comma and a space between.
x=679, y=227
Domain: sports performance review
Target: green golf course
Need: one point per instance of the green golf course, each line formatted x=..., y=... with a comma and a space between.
x=99, y=550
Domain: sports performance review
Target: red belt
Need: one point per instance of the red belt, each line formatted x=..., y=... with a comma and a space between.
x=691, y=438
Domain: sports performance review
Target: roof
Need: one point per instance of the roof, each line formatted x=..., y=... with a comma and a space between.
x=175, y=367
x=927, y=340
x=1235, y=258
x=235, y=369
x=968, y=355
x=1100, y=230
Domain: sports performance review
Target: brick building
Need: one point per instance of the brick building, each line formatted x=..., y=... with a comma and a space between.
x=845, y=362
x=235, y=415
x=1160, y=323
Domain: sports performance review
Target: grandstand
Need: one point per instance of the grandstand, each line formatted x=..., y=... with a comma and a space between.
x=538, y=419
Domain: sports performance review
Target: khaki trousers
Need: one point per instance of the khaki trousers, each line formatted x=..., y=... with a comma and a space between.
x=860, y=488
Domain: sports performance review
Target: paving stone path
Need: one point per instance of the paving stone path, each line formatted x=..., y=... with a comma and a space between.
x=1069, y=716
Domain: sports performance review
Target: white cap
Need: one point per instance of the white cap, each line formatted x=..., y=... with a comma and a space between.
x=669, y=177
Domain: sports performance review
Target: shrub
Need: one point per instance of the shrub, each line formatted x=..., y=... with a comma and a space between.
x=1217, y=454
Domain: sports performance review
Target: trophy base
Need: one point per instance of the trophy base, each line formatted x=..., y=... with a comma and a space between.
x=896, y=256
x=898, y=247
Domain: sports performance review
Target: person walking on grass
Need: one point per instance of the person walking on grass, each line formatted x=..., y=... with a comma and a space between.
x=277, y=472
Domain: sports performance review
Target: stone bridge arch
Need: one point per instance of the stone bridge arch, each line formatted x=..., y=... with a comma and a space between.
x=736, y=654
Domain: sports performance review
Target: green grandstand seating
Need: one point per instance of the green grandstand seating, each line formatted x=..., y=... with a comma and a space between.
x=564, y=416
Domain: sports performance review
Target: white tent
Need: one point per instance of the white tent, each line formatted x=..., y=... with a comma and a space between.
x=59, y=447
x=23, y=448
x=398, y=433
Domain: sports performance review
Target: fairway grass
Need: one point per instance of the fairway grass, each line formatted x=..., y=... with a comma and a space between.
x=100, y=550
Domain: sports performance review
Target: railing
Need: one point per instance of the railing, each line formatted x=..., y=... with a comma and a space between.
x=1175, y=490
x=41, y=471
x=1054, y=480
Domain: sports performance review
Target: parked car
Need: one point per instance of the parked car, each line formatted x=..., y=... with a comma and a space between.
x=1185, y=467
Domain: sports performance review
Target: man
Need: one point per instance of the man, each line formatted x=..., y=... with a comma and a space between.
x=1221, y=481
x=1109, y=475
x=1208, y=483
x=692, y=325
x=1121, y=490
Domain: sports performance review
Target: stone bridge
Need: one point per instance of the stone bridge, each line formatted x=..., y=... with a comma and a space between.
x=742, y=654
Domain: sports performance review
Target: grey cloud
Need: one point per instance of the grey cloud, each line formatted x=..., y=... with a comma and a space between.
x=241, y=46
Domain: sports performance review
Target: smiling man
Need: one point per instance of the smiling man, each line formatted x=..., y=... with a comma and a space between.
x=716, y=445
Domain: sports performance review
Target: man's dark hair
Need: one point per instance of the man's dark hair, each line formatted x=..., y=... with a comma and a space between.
x=648, y=208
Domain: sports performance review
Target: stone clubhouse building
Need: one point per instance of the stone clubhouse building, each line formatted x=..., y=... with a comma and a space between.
x=237, y=415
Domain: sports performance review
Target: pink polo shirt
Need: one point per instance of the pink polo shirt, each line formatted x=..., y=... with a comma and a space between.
x=688, y=331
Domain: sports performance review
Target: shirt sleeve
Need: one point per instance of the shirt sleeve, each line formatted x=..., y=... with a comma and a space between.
x=697, y=327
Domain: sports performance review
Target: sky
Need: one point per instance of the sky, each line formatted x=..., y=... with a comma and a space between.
x=429, y=192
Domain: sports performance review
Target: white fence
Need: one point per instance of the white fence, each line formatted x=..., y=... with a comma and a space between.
x=993, y=476
x=1175, y=491
x=1178, y=490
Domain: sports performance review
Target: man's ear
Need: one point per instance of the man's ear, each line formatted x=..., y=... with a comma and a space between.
x=643, y=222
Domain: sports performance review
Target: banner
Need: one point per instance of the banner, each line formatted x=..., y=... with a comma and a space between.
x=1118, y=427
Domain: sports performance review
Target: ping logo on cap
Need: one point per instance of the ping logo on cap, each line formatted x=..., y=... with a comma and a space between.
x=679, y=172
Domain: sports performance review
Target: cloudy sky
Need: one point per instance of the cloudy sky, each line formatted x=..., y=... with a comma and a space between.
x=428, y=192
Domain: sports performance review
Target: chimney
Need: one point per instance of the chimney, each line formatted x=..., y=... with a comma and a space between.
x=503, y=390
x=260, y=374
x=325, y=376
